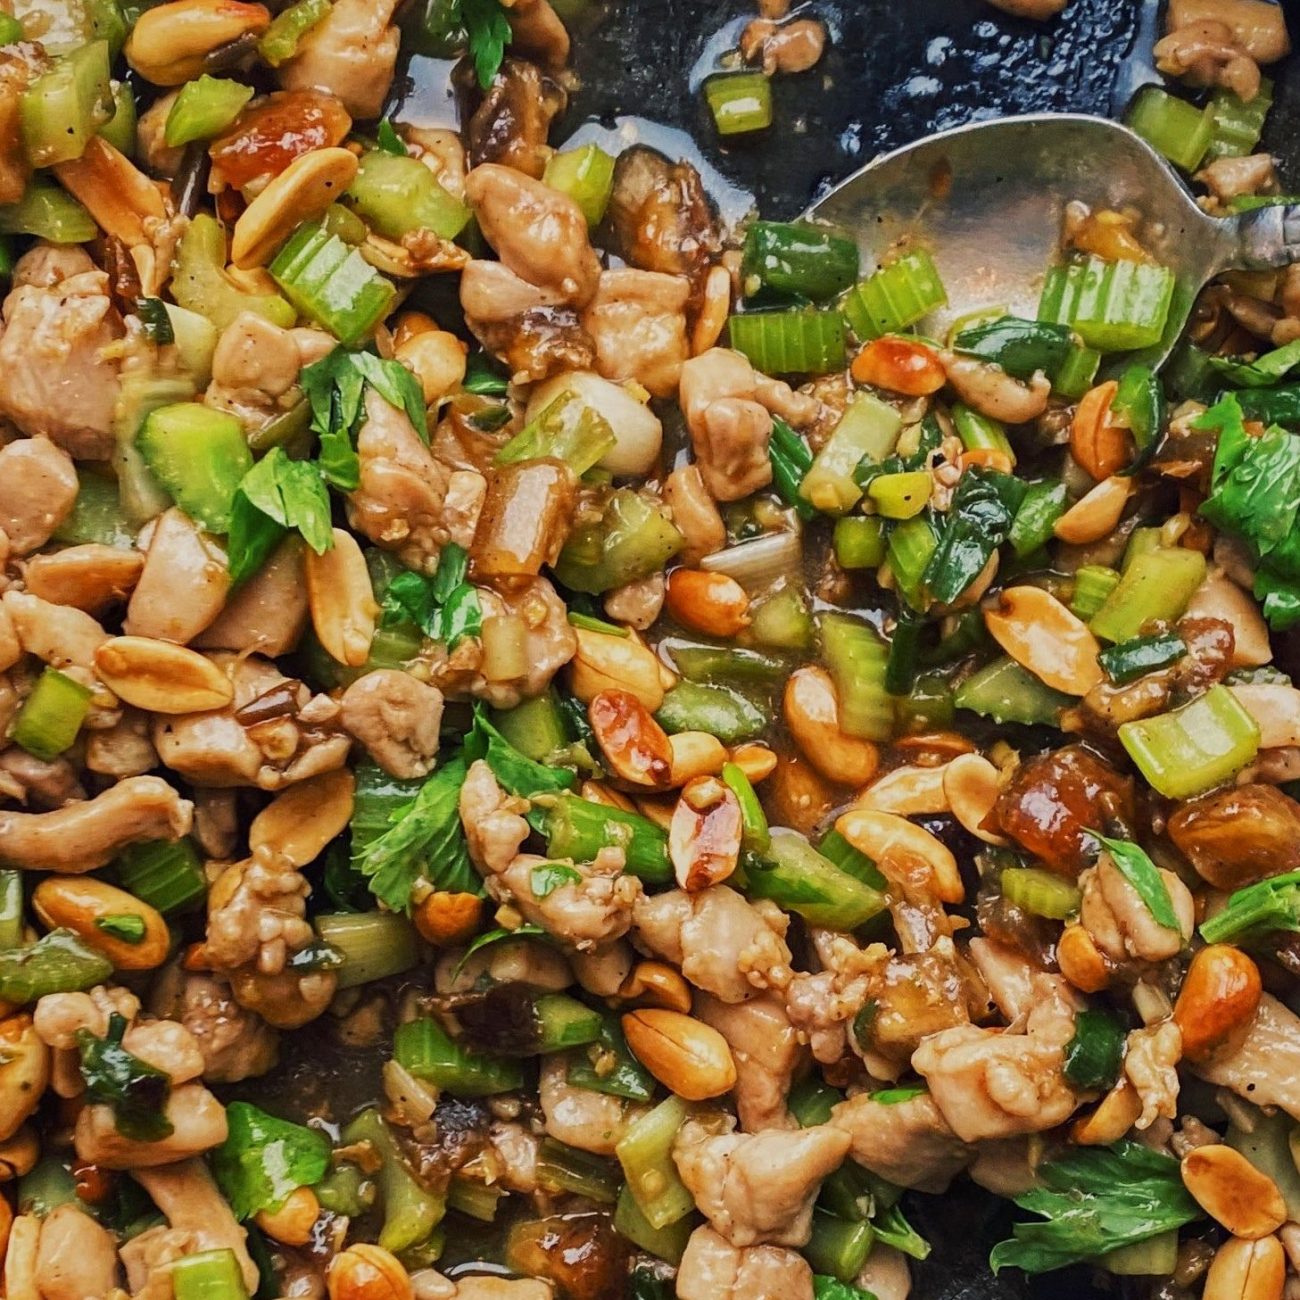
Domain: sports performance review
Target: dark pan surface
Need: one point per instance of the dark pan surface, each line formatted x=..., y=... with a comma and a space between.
x=898, y=70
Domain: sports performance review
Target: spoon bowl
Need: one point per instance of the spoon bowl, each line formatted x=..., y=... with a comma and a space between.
x=988, y=201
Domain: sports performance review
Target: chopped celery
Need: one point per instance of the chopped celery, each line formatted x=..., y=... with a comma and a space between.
x=755, y=835
x=799, y=879
x=791, y=460
x=166, y=874
x=867, y=429
x=693, y=706
x=63, y=108
x=208, y=1275
x=797, y=259
x=51, y=715
x=668, y=1243
x=633, y=538
x=859, y=542
x=1114, y=306
x=411, y=1210
x=895, y=297
x=203, y=109
x=980, y=432
x=586, y=175
x=803, y=341
x=200, y=283
x=1235, y=125
x=857, y=658
x=608, y=1066
x=1171, y=126
x=1144, y=654
x=478, y=1200
x=1035, y=518
x=11, y=30
x=782, y=621
x=1040, y=892
x=1192, y=749
x=1140, y=402
x=1006, y=692
x=1077, y=373
x=1266, y=907
x=566, y=429
x=11, y=908
x=332, y=284
x=645, y=1152
x=911, y=545
x=120, y=128
x=1156, y=587
x=279, y=43
x=836, y=849
x=1155, y=1257
x=579, y=828
x=48, y=212
x=374, y=945
x=1093, y=584
x=424, y=1048
x=838, y=1248
x=562, y=1168
x=900, y=496
x=397, y=194
x=1142, y=541
x=534, y=727
x=199, y=455
x=709, y=664
x=740, y=102
x=565, y=1022
x=58, y=962
x=97, y=515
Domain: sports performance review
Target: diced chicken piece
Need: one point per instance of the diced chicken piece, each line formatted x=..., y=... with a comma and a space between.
x=38, y=488
x=493, y=820
x=89, y=577
x=351, y=53
x=539, y=233
x=397, y=718
x=167, y=1046
x=529, y=961
x=1228, y=178
x=590, y=1121
x=58, y=634
x=638, y=322
x=45, y=265
x=990, y=1083
x=76, y=1258
x=58, y=1017
x=1120, y=922
x=268, y=613
x=767, y=1052
x=1009, y=976
x=695, y=513
x=713, y=1269
x=86, y=835
x=908, y=1142
x=122, y=750
x=405, y=501
x=758, y=1188
x=497, y=1288
x=586, y=913
x=235, y=1043
x=1263, y=1065
x=40, y=783
x=1151, y=1057
x=58, y=379
x=723, y=944
x=198, y=1123
x=256, y=912
x=637, y=604
x=517, y=1147
x=729, y=426
x=183, y=585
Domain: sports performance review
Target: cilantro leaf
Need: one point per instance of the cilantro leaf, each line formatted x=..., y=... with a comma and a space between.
x=546, y=877
x=978, y=521
x=265, y=1159
x=136, y=1091
x=1094, y=1200
x=129, y=927
x=489, y=33
x=495, y=936
x=276, y=496
x=516, y=772
x=1145, y=877
x=484, y=377
x=388, y=139
x=445, y=607
x=425, y=841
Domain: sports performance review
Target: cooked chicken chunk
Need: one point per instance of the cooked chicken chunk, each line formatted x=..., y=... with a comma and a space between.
x=592, y=906
x=198, y=1123
x=397, y=718
x=1120, y=922
x=351, y=53
x=1263, y=1065
x=590, y=1121
x=235, y=1044
x=713, y=1269
x=76, y=1258
x=908, y=1142
x=38, y=488
x=766, y=1050
x=638, y=322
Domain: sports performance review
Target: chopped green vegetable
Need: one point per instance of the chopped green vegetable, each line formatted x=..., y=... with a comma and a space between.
x=799, y=879
x=208, y=1275
x=837, y=1247
x=1113, y=306
x=896, y=296
x=741, y=102
x=1007, y=692
x=802, y=341
x=265, y=1159
x=279, y=43
x=1019, y=346
x=859, y=542
x=798, y=260
x=868, y=430
x=488, y=30
x=518, y=773
x=1156, y=587
x=201, y=457
x=58, y=962
x=586, y=175
x=1043, y=504
x=48, y=212
x=634, y=537
x=831, y=1288
x=608, y=1066
x=63, y=108
x=1130, y=660
x=51, y=716
x=692, y=706
x=568, y=429
x=890, y=1224
x=791, y=460
x=755, y=835
x=1257, y=910
x=397, y=195
x=978, y=521
x=545, y=878
x=204, y=109
x=411, y=1210
x=129, y=927
x=201, y=284
x=645, y=1152
x=136, y=1091
x=1140, y=402
x=166, y=874
x=857, y=658
x=1040, y=892
x=1171, y=126
x=371, y=945
x=1094, y=1055
x=579, y=828
x=1235, y=124
x=424, y=1048
x=444, y=607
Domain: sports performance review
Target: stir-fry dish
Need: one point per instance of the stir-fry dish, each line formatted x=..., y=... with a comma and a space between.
x=558, y=748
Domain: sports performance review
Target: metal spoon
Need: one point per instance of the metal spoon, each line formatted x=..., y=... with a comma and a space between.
x=987, y=200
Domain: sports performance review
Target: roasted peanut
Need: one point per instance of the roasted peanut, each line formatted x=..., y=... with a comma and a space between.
x=306, y=817
x=797, y=795
x=971, y=785
x=812, y=712
x=605, y=662
x=364, y=1272
x=161, y=677
x=659, y=985
x=341, y=600
x=130, y=933
x=20, y=1240
x=1096, y=514
x=446, y=919
x=19, y=1153
x=1245, y=1200
x=899, y=365
x=712, y=604
x=695, y=753
x=120, y=197
x=1081, y=961
x=24, y=1072
x=1247, y=1270
x=635, y=745
x=1041, y=634
x=293, y=1222
x=437, y=359
x=687, y=1056
x=904, y=852
x=756, y=761
x=170, y=42
x=301, y=192
x=1099, y=445
x=659, y=811
x=599, y=792
x=713, y=311
x=704, y=836
x=908, y=791
x=1114, y=1115
x=1220, y=993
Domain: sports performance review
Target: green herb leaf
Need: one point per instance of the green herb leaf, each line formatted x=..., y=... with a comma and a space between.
x=264, y=1159
x=388, y=139
x=495, y=936
x=831, y=1288
x=136, y=1091
x=892, y=1096
x=1143, y=875
x=1094, y=1200
x=489, y=34
x=1094, y=1055
x=127, y=926
x=1265, y=371
x=484, y=377
x=276, y=496
x=1257, y=910
x=518, y=773
x=445, y=607
x=978, y=521
x=547, y=877
x=426, y=840
x=891, y=1227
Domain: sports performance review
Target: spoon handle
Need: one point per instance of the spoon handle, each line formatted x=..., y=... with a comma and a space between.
x=1266, y=237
